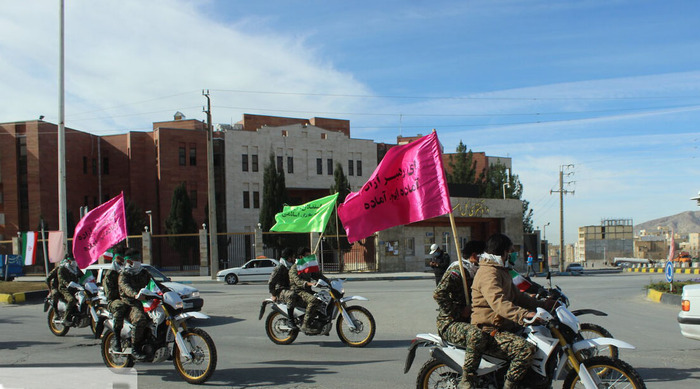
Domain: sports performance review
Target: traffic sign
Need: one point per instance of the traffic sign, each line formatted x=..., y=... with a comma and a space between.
x=668, y=269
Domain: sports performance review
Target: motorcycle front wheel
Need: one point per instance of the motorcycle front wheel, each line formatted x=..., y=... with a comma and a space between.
x=617, y=374
x=203, y=356
x=434, y=374
x=365, y=327
x=116, y=361
x=277, y=329
x=56, y=328
x=590, y=331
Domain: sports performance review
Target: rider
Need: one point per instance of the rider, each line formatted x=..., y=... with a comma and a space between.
x=117, y=306
x=499, y=307
x=301, y=281
x=132, y=279
x=279, y=284
x=439, y=262
x=453, y=321
x=52, y=282
x=68, y=272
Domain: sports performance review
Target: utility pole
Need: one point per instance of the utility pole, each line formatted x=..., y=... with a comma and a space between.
x=562, y=192
x=62, y=203
x=211, y=188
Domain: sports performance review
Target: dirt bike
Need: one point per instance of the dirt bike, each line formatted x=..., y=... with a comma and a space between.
x=355, y=325
x=167, y=337
x=91, y=307
x=558, y=355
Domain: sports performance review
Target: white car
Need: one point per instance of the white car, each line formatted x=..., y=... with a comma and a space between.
x=258, y=269
x=689, y=316
x=190, y=296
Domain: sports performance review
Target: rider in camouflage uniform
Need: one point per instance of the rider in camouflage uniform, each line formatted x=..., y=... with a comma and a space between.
x=117, y=306
x=301, y=285
x=68, y=272
x=54, y=294
x=279, y=285
x=132, y=279
x=453, y=321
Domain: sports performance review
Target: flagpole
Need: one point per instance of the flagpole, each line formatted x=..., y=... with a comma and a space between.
x=459, y=259
x=317, y=243
x=43, y=240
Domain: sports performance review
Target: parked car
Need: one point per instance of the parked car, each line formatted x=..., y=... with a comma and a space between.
x=575, y=268
x=689, y=316
x=258, y=269
x=190, y=295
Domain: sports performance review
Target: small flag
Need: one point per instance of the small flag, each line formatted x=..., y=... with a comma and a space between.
x=520, y=281
x=29, y=247
x=108, y=255
x=307, y=265
x=152, y=304
x=87, y=277
x=98, y=230
x=672, y=247
x=56, y=251
x=310, y=217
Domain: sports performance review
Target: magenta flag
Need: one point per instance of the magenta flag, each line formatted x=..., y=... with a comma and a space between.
x=98, y=230
x=408, y=185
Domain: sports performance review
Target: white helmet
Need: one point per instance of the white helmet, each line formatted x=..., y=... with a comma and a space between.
x=433, y=248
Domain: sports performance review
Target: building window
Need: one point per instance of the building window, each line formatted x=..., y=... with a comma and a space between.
x=319, y=166
x=94, y=167
x=84, y=165
x=351, y=167
x=105, y=165
x=181, y=154
x=280, y=168
x=411, y=246
x=246, y=199
x=255, y=162
x=359, y=168
x=330, y=166
x=256, y=199
x=193, y=154
x=244, y=162
x=290, y=165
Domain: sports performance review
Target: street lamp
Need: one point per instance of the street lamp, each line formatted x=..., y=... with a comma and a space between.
x=544, y=235
x=150, y=220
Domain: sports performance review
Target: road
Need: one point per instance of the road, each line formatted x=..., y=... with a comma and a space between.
x=402, y=308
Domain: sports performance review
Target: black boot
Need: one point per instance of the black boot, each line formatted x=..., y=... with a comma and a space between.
x=117, y=345
x=136, y=351
x=290, y=319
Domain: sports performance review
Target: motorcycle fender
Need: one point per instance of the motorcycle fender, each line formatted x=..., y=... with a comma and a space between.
x=451, y=357
x=189, y=315
x=350, y=298
x=415, y=343
x=262, y=307
x=93, y=313
x=596, y=342
x=596, y=312
x=280, y=308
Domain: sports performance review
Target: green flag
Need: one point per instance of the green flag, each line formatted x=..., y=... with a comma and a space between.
x=310, y=217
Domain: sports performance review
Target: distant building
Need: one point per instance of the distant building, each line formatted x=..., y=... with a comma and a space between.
x=600, y=244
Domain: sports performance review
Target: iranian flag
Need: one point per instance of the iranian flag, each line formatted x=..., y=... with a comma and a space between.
x=152, y=304
x=29, y=242
x=307, y=265
x=520, y=281
x=87, y=277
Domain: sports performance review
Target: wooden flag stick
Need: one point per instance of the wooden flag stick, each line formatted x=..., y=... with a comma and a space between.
x=459, y=258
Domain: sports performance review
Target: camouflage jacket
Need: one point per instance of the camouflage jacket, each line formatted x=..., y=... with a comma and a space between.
x=110, y=283
x=450, y=297
x=65, y=277
x=131, y=284
x=279, y=280
x=298, y=281
x=52, y=279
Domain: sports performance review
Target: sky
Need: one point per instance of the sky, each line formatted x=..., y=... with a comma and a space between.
x=606, y=91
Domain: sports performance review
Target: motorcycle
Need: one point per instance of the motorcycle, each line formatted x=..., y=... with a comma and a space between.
x=558, y=355
x=91, y=310
x=355, y=325
x=167, y=337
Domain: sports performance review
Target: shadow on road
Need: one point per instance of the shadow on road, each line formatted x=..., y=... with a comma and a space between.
x=665, y=374
x=256, y=377
x=18, y=345
x=214, y=321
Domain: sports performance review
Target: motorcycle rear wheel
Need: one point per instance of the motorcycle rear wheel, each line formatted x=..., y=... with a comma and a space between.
x=203, y=353
x=116, y=361
x=435, y=374
x=618, y=374
x=364, y=322
x=275, y=327
x=56, y=329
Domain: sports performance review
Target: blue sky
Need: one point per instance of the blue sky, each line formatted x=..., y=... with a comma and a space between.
x=612, y=87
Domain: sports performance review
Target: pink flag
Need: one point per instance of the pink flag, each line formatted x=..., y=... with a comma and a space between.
x=56, y=250
x=672, y=247
x=408, y=186
x=98, y=230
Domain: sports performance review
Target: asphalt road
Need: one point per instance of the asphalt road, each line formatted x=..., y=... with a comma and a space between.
x=402, y=308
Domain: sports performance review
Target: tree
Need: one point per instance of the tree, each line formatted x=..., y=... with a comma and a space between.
x=342, y=187
x=462, y=166
x=492, y=186
x=135, y=221
x=181, y=221
x=274, y=197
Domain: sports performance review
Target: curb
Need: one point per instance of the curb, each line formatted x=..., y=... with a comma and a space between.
x=663, y=298
x=661, y=270
x=23, y=297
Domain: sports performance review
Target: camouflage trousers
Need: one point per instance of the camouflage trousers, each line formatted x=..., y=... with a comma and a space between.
x=519, y=351
x=290, y=298
x=119, y=310
x=312, y=304
x=474, y=340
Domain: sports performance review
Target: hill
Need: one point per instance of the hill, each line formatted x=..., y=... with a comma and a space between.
x=682, y=223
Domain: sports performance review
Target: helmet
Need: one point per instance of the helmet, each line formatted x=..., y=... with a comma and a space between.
x=433, y=248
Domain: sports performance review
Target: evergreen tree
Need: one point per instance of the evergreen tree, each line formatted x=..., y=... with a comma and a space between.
x=181, y=221
x=274, y=197
x=135, y=221
x=491, y=186
x=342, y=187
x=462, y=166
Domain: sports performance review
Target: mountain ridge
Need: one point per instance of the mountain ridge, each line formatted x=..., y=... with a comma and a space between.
x=682, y=223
